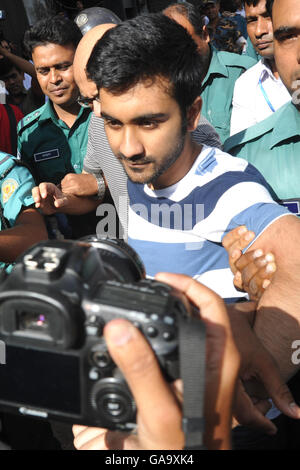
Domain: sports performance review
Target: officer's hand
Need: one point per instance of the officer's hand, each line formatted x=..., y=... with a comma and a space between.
x=49, y=198
x=83, y=184
x=159, y=411
x=257, y=366
x=253, y=270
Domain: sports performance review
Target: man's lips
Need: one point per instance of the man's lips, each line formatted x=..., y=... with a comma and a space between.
x=58, y=91
x=263, y=44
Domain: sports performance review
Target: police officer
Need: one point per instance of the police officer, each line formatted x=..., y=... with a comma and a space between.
x=273, y=145
x=53, y=139
x=21, y=225
x=222, y=69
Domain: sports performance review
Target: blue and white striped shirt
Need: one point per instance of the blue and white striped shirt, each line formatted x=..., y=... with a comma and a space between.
x=180, y=228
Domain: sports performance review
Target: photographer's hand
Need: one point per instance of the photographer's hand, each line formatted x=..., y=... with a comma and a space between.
x=159, y=412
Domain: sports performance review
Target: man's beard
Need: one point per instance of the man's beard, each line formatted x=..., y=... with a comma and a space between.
x=173, y=155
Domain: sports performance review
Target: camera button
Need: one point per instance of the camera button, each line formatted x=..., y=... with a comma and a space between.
x=151, y=331
x=94, y=374
x=169, y=320
x=168, y=336
x=101, y=359
x=154, y=317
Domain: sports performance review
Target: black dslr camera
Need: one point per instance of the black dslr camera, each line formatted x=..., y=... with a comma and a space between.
x=53, y=307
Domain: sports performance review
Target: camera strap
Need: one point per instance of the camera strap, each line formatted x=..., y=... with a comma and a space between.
x=192, y=351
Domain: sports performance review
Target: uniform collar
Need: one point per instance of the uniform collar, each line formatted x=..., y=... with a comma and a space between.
x=216, y=67
x=49, y=113
x=266, y=71
x=287, y=125
x=282, y=125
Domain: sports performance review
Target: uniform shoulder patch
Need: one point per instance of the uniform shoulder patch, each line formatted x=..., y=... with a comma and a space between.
x=8, y=188
x=28, y=120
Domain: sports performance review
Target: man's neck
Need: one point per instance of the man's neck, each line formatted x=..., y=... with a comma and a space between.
x=181, y=167
x=272, y=65
x=67, y=114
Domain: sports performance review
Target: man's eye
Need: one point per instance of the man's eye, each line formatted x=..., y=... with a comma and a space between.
x=64, y=67
x=112, y=124
x=43, y=71
x=149, y=124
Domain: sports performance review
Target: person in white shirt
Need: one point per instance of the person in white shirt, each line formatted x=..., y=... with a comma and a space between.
x=259, y=92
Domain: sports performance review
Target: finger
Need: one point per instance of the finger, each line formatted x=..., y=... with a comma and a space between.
x=277, y=389
x=233, y=236
x=60, y=202
x=77, y=428
x=256, y=258
x=255, y=270
x=36, y=196
x=261, y=280
x=240, y=239
x=86, y=435
x=154, y=398
x=248, y=415
x=208, y=302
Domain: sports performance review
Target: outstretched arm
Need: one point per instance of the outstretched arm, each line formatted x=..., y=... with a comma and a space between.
x=50, y=199
x=28, y=230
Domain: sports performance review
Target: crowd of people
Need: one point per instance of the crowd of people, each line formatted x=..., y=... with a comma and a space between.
x=192, y=112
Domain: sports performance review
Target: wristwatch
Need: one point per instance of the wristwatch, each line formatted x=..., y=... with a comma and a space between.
x=101, y=187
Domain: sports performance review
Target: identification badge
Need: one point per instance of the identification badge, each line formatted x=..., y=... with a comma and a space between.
x=8, y=188
x=48, y=155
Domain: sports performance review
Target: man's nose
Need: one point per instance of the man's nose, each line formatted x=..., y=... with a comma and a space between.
x=54, y=75
x=130, y=144
x=262, y=27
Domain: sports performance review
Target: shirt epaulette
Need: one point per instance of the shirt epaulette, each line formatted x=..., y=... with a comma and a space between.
x=28, y=120
x=236, y=60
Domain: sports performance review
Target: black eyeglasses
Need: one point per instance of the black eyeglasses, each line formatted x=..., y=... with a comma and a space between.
x=86, y=102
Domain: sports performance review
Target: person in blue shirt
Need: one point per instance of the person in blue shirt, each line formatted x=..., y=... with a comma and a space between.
x=21, y=225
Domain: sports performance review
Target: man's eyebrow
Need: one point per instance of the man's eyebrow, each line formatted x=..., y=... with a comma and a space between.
x=107, y=116
x=143, y=117
x=285, y=30
x=59, y=64
x=251, y=17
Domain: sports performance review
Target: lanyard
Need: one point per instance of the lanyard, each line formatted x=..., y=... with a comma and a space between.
x=266, y=96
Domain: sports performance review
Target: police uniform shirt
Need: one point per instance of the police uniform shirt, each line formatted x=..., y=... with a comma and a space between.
x=16, y=186
x=217, y=88
x=49, y=146
x=273, y=147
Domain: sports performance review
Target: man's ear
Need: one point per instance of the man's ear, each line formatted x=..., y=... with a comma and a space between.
x=205, y=34
x=193, y=114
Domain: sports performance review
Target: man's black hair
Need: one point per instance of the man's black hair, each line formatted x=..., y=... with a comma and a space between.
x=251, y=3
x=148, y=47
x=269, y=6
x=52, y=30
x=191, y=13
x=229, y=5
x=6, y=67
